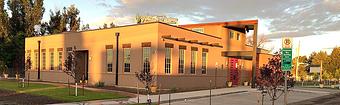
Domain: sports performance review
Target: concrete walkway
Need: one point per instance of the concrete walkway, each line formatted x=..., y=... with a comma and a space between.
x=165, y=97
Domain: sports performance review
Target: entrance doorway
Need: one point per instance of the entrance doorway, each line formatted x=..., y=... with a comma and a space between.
x=234, y=73
x=82, y=64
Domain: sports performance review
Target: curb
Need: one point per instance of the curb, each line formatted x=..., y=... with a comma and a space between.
x=196, y=97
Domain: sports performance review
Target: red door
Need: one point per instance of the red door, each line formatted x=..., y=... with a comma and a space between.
x=234, y=77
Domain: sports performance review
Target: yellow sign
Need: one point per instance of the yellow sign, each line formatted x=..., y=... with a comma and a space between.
x=287, y=42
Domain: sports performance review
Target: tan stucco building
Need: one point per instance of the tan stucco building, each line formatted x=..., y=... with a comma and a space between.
x=186, y=56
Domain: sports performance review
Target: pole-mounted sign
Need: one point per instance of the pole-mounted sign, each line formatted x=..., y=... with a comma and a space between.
x=286, y=54
x=286, y=62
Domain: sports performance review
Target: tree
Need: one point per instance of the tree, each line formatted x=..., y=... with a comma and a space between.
x=85, y=27
x=271, y=78
x=33, y=11
x=28, y=66
x=66, y=20
x=112, y=25
x=23, y=16
x=260, y=43
x=72, y=18
x=302, y=71
x=105, y=26
x=333, y=62
x=317, y=57
x=3, y=67
x=147, y=79
x=43, y=28
x=70, y=65
x=3, y=22
x=55, y=24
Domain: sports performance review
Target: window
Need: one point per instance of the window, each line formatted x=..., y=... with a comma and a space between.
x=181, y=61
x=204, y=62
x=146, y=58
x=231, y=34
x=238, y=36
x=126, y=59
x=44, y=60
x=109, y=59
x=60, y=60
x=51, y=60
x=36, y=60
x=193, y=61
x=200, y=30
x=167, y=60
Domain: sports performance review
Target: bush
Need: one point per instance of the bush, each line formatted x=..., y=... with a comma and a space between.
x=100, y=84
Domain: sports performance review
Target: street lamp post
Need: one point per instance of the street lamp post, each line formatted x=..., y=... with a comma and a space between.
x=39, y=42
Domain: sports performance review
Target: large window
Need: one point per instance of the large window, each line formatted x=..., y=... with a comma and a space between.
x=238, y=36
x=109, y=59
x=167, y=60
x=204, y=62
x=36, y=60
x=51, y=60
x=44, y=60
x=193, y=60
x=60, y=60
x=231, y=34
x=127, y=57
x=181, y=61
x=146, y=58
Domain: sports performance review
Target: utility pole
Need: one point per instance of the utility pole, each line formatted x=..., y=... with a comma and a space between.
x=297, y=63
x=321, y=72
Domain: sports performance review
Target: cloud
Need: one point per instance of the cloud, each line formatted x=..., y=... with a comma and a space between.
x=294, y=18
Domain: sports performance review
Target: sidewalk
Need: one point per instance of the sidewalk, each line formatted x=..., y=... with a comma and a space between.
x=165, y=97
x=191, y=95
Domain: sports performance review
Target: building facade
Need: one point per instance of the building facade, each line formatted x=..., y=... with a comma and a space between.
x=186, y=56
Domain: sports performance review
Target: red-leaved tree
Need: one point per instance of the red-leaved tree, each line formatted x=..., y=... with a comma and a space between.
x=271, y=78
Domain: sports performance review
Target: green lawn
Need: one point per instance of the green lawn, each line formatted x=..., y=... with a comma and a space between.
x=14, y=86
x=58, y=93
x=63, y=94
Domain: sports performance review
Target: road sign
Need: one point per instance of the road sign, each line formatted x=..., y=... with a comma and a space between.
x=286, y=58
x=286, y=62
x=286, y=42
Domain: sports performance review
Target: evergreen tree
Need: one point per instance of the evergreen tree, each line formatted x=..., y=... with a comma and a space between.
x=72, y=18
x=112, y=25
x=3, y=22
x=54, y=25
x=105, y=26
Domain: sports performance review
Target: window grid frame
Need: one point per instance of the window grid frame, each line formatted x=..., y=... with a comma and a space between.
x=168, y=56
x=193, y=62
x=181, y=61
x=109, y=64
x=127, y=59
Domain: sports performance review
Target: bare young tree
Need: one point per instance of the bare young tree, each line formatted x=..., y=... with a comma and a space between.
x=147, y=79
x=260, y=43
x=28, y=66
x=70, y=65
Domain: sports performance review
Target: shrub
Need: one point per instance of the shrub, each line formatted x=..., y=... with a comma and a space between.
x=100, y=84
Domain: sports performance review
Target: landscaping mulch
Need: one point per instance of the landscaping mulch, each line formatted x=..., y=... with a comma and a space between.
x=13, y=98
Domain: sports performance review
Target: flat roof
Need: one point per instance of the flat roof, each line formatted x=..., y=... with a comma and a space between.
x=240, y=22
x=129, y=26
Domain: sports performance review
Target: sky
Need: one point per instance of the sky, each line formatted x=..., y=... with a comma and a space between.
x=312, y=23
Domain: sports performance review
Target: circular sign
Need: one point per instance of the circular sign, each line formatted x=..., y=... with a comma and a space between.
x=287, y=42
